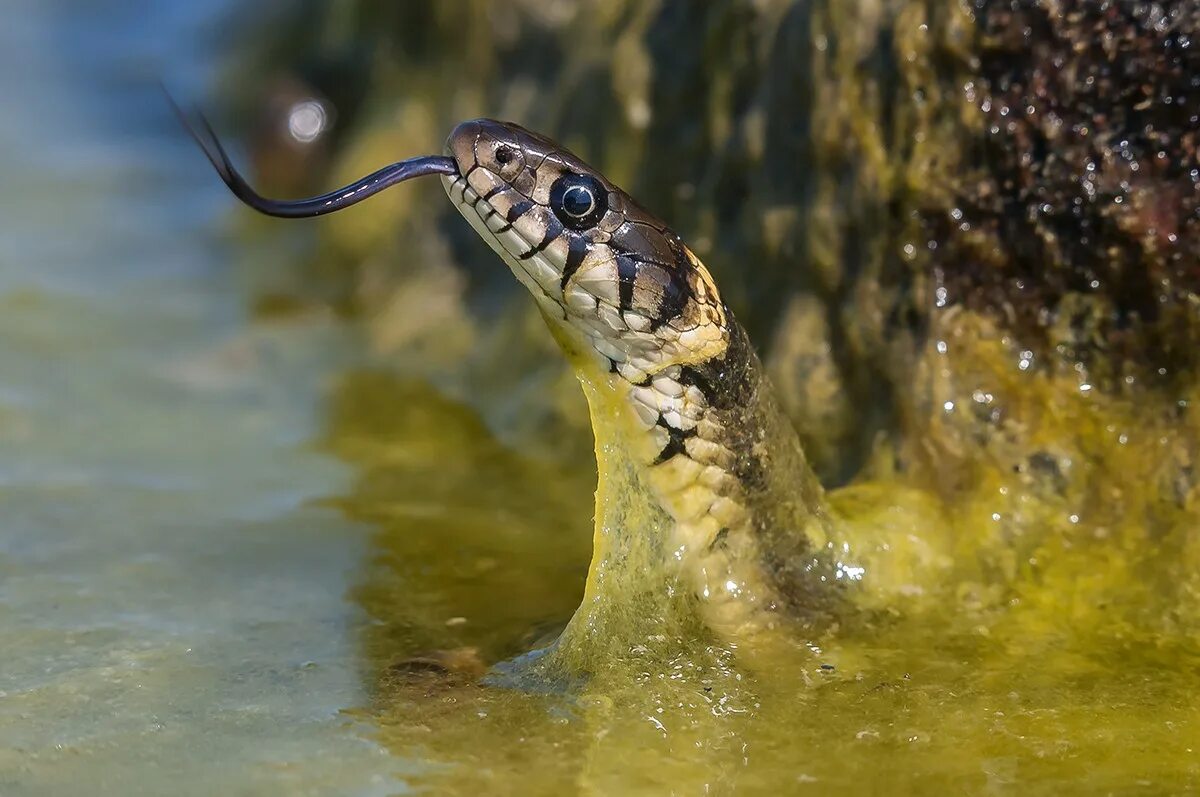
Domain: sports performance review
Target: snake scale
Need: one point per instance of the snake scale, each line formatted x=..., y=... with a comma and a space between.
x=677, y=393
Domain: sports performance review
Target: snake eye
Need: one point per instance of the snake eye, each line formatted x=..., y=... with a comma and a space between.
x=578, y=200
x=504, y=154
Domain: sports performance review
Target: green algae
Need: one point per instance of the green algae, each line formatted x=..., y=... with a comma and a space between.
x=961, y=668
x=958, y=698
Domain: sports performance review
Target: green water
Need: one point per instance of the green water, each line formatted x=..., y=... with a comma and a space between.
x=230, y=547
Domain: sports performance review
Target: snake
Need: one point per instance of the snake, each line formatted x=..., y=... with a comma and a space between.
x=682, y=411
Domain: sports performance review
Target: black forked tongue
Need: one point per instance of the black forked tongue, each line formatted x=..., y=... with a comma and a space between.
x=343, y=197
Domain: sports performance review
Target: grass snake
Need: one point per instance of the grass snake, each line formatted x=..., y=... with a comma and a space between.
x=682, y=413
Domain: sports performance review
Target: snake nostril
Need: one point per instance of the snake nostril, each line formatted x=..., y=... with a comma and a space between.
x=504, y=154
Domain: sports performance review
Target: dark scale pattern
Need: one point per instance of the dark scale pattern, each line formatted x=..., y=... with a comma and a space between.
x=1092, y=182
x=676, y=441
x=730, y=385
x=576, y=250
x=553, y=231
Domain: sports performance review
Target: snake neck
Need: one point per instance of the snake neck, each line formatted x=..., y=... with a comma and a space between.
x=706, y=510
x=706, y=513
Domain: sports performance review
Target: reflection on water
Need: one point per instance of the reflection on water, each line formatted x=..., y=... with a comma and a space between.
x=475, y=545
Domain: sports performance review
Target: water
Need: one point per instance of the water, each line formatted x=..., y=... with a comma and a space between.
x=173, y=605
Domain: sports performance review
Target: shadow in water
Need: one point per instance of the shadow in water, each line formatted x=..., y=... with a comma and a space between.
x=476, y=545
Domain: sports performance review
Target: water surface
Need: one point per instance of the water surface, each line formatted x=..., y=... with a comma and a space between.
x=173, y=604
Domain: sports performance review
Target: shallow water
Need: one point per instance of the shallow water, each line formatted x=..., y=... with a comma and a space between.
x=173, y=606
x=230, y=546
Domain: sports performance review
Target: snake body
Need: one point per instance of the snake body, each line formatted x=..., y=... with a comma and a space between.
x=641, y=319
x=685, y=422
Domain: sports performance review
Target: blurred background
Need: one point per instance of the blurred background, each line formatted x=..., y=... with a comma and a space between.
x=251, y=470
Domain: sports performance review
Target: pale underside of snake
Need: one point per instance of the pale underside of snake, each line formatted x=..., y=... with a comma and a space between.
x=682, y=413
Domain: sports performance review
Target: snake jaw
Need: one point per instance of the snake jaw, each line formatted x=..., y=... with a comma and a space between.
x=535, y=272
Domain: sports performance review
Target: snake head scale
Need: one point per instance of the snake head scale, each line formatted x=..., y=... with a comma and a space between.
x=603, y=270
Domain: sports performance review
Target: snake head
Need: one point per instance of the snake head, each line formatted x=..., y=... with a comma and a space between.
x=604, y=271
x=610, y=278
